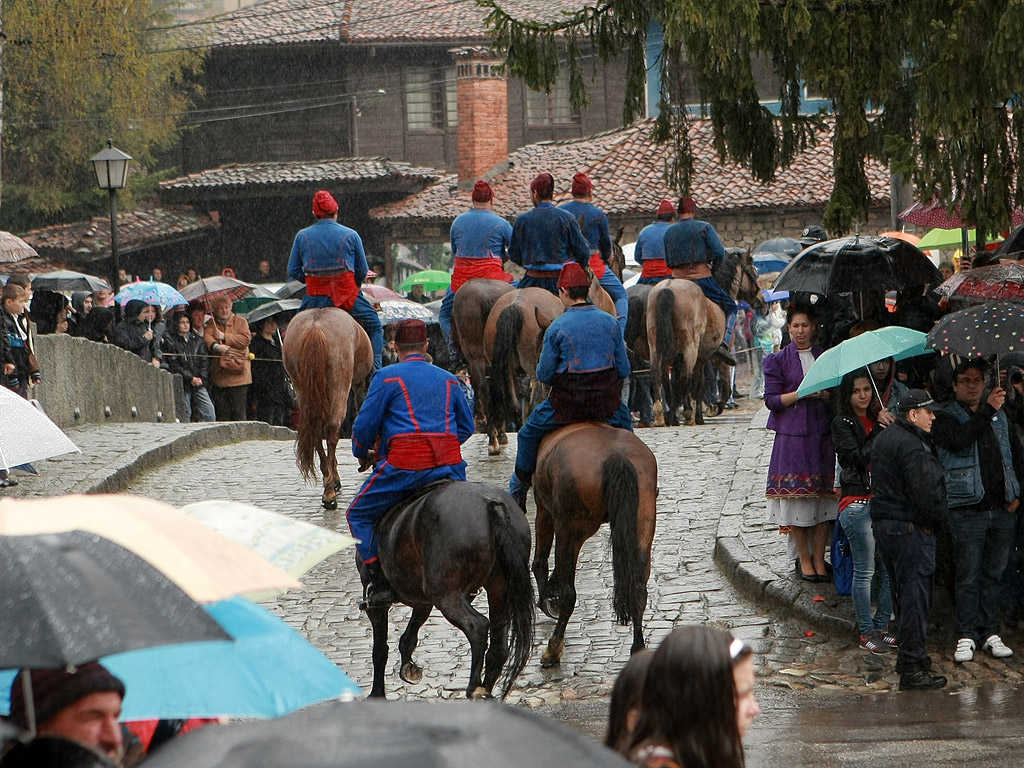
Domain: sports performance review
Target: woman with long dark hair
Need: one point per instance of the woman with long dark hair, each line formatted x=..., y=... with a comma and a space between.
x=853, y=432
x=627, y=695
x=697, y=701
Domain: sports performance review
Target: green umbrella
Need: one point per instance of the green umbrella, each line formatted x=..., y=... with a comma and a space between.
x=858, y=352
x=430, y=279
x=944, y=239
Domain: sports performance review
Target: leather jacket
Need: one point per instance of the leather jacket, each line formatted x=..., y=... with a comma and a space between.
x=853, y=449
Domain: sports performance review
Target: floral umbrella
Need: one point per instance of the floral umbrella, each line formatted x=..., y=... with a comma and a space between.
x=998, y=282
x=151, y=292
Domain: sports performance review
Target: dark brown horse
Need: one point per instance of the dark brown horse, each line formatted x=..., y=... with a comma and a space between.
x=685, y=329
x=588, y=474
x=439, y=548
x=470, y=309
x=325, y=352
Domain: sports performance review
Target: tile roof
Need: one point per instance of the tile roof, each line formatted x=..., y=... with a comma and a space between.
x=342, y=170
x=627, y=169
x=35, y=265
x=278, y=22
x=141, y=228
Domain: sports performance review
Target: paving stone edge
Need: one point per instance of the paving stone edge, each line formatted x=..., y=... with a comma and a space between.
x=753, y=579
x=121, y=474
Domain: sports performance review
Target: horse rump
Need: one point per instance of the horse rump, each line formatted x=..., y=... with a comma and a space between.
x=621, y=495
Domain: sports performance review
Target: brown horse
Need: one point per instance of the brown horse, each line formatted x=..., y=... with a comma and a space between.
x=440, y=547
x=470, y=309
x=587, y=474
x=325, y=352
x=685, y=329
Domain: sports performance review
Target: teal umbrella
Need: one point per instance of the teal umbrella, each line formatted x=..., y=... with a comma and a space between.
x=858, y=352
x=430, y=279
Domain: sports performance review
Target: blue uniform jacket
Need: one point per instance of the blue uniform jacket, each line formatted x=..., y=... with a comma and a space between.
x=411, y=396
x=546, y=238
x=327, y=247
x=651, y=242
x=593, y=224
x=689, y=241
x=480, y=234
x=584, y=339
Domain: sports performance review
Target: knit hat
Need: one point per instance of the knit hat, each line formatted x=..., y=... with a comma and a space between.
x=687, y=205
x=482, y=192
x=134, y=308
x=55, y=689
x=411, y=331
x=665, y=207
x=324, y=204
x=581, y=185
x=572, y=276
x=543, y=185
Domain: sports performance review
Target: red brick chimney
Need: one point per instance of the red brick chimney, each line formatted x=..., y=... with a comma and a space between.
x=483, y=112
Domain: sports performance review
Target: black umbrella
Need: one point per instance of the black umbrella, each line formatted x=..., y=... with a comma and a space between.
x=1011, y=248
x=291, y=289
x=390, y=734
x=272, y=308
x=858, y=263
x=67, y=280
x=68, y=598
x=988, y=329
x=788, y=246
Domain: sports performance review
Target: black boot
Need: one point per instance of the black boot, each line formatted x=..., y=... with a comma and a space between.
x=522, y=489
x=920, y=679
x=724, y=353
x=378, y=592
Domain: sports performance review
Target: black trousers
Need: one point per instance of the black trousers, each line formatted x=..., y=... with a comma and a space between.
x=909, y=554
x=230, y=402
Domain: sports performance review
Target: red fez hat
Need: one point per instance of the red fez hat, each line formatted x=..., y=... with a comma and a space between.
x=666, y=207
x=482, y=192
x=581, y=185
x=411, y=332
x=687, y=205
x=324, y=204
x=543, y=185
x=572, y=276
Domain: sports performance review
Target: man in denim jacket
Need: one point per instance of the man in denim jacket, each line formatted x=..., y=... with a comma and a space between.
x=982, y=459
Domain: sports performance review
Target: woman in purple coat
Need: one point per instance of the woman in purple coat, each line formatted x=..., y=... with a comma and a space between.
x=802, y=469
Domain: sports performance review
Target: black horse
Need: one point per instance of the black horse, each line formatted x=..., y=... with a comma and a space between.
x=439, y=548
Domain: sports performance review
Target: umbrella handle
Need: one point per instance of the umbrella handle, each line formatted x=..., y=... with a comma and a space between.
x=30, y=704
x=874, y=386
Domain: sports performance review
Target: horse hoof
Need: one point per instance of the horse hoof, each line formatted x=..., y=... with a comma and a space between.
x=715, y=410
x=493, y=450
x=411, y=673
x=502, y=439
x=479, y=694
x=553, y=655
x=549, y=607
x=330, y=503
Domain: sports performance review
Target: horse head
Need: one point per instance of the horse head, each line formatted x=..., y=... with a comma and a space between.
x=617, y=262
x=749, y=290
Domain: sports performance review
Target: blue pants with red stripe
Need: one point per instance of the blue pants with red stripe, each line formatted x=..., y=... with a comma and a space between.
x=383, y=489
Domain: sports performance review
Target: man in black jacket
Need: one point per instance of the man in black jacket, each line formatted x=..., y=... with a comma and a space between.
x=184, y=353
x=907, y=506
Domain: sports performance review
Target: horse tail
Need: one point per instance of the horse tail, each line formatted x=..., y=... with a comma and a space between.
x=517, y=608
x=664, y=331
x=621, y=491
x=503, y=388
x=315, y=398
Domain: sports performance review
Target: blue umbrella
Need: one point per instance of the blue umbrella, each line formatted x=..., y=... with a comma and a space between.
x=770, y=296
x=766, y=263
x=150, y=292
x=269, y=671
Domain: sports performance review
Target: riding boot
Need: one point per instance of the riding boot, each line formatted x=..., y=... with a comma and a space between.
x=724, y=353
x=378, y=592
x=519, y=487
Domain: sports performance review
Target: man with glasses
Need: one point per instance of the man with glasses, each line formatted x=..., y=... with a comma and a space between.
x=982, y=458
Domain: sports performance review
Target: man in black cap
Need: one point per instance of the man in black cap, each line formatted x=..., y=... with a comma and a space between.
x=812, y=235
x=82, y=704
x=908, y=503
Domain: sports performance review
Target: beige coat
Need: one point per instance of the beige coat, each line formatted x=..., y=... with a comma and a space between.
x=229, y=369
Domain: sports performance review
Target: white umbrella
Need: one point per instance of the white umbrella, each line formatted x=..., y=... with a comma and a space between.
x=27, y=434
x=13, y=248
x=292, y=545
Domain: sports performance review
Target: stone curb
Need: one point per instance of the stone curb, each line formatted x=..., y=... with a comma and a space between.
x=755, y=580
x=122, y=473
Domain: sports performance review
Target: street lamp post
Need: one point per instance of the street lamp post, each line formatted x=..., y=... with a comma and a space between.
x=111, y=166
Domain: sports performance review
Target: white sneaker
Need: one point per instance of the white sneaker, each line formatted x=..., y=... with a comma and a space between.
x=965, y=649
x=997, y=647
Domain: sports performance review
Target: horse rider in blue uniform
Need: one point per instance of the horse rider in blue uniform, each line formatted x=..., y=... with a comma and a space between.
x=649, y=250
x=480, y=240
x=411, y=428
x=594, y=226
x=584, y=360
x=329, y=258
x=546, y=238
x=693, y=251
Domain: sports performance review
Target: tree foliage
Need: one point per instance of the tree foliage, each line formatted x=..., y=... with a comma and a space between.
x=77, y=72
x=926, y=86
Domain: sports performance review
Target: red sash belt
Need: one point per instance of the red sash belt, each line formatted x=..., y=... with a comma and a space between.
x=468, y=269
x=418, y=451
x=340, y=288
x=655, y=268
x=597, y=265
